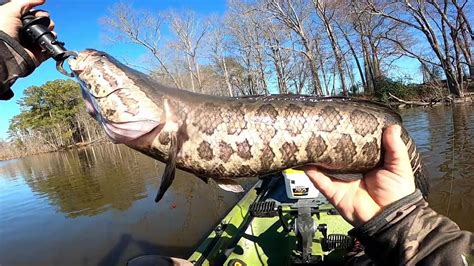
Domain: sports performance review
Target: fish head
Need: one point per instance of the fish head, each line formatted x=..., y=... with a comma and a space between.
x=99, y=72
x=113, y=96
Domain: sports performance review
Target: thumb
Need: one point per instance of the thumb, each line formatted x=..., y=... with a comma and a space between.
x=396, y=153
x=17, y=8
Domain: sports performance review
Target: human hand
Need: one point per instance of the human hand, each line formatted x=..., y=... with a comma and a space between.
x=10, y=23
x=360, y=200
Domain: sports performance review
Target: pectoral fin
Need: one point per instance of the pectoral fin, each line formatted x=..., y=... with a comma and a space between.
x=229, y=185
x=170, y=169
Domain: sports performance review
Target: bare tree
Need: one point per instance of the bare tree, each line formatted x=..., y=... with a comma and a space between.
x=190, y=32
x=439, y=22
x=248, y=44
x=218, y=52
x=140, y=27
x=296, y=16
x=316, y=46
x=467, y=34
x=350, y=43
x=324, y=61
x=326, y=11
x=275, y=37
x=369, y=39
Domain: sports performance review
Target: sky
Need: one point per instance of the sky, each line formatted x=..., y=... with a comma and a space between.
x=77, y=24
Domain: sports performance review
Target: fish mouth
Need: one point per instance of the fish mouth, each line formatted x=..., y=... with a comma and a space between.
x=78, y=65
x=89, y=102
x=74, y=65
x=118, y=132
x=128, y=132
x=81, y=61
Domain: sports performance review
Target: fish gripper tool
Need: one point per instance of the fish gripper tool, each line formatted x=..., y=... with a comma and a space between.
x=35, y=33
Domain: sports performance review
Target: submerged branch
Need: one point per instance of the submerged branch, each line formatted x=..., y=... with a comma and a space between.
x=409, y=102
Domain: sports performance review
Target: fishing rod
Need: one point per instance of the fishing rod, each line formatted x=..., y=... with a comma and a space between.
x=35, y=33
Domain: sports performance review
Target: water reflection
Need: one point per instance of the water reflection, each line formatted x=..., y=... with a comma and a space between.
x=86, y=182
x=95, y=206
x=445, y=137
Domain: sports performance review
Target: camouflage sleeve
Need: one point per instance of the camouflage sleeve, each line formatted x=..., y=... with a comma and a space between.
x=408, y=232
x=14, y=63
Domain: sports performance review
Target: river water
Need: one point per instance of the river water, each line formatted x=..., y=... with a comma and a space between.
x=95, y=206
x=445, y=138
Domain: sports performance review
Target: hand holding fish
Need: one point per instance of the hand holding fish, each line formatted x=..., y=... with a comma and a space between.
x=360, y=200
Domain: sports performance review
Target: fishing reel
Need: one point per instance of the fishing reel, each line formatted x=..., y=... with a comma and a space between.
x=35, y=33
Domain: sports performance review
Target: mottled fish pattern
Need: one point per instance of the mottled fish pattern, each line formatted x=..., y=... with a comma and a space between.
x=223, y=137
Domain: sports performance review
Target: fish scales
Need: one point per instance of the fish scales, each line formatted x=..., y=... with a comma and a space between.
x=224, y=138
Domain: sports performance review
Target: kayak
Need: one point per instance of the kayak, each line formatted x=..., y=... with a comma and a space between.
x=266, y=227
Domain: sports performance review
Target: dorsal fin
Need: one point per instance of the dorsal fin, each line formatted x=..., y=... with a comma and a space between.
x=317, y=99
x=367, y=103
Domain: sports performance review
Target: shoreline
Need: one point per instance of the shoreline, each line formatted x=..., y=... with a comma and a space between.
x=403, y=104
x=79, y=145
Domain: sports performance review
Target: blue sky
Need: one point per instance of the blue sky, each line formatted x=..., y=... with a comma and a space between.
x=77, y=24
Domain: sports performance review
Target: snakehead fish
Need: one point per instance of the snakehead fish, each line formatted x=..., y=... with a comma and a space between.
x=225, y=138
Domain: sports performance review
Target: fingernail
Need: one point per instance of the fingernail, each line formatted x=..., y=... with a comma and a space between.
x=398, y=130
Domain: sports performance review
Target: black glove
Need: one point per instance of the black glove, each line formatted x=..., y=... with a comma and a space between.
x=14, y=63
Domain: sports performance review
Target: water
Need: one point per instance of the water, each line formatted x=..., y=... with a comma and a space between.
x=445, y=137
x=95, y=206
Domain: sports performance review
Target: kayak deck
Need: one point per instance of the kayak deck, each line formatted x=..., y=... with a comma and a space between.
x=242, y=239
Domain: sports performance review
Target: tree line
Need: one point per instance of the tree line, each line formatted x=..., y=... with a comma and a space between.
x=257, y=47
x=318, y=47
x=52, y=117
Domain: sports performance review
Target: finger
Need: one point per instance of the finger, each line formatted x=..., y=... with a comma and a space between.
x=396, y=159
x=40, y=13
x=395, y=149
x=322, y=182
x=51, y=25
x=17, y=8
